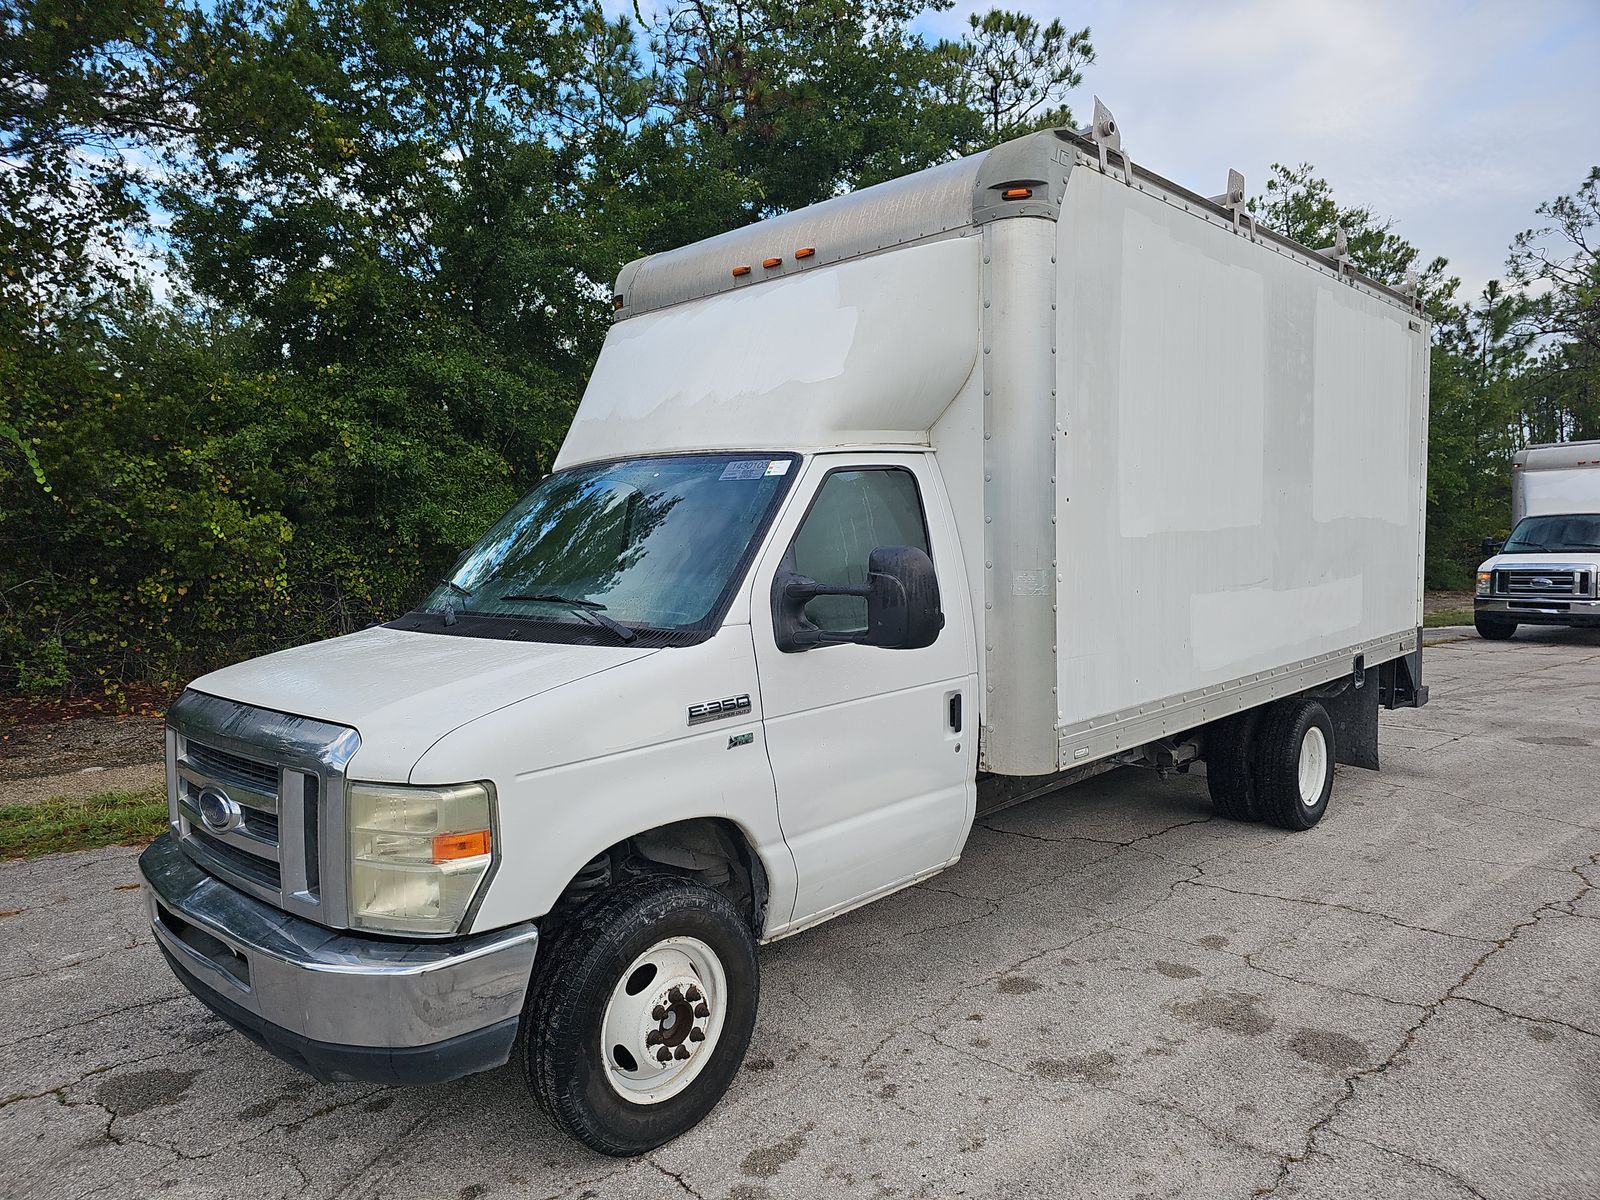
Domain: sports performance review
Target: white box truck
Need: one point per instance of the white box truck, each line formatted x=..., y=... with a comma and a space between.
x=874, y=515
x=1548, y=571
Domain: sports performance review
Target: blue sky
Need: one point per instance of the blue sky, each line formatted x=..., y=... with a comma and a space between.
x=1455, y=119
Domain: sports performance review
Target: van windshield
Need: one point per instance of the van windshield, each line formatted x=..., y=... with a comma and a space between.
x=1565, y=531
x=651, y=543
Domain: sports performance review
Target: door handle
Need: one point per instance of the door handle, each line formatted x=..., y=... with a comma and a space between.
x=955, y=712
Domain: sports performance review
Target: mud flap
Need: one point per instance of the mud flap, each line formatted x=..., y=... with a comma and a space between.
x=1354, y=713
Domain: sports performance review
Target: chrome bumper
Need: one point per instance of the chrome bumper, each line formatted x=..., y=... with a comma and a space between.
x=1539, y=611
x=338, y=1005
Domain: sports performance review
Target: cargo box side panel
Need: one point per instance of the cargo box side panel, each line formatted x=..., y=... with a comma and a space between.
x=1239, y=471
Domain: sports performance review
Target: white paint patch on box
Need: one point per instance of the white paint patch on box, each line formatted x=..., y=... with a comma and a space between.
x=1244, y=629
x=1192, y=347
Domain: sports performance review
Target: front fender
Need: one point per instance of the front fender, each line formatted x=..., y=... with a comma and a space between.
x=605, y=758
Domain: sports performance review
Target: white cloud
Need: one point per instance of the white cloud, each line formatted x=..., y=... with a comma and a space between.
x=1455, y=119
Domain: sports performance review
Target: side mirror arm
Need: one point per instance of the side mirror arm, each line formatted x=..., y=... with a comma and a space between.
x=793, y=631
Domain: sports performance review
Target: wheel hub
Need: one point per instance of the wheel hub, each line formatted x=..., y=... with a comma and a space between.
x=680, y=1013
x=663, y=1020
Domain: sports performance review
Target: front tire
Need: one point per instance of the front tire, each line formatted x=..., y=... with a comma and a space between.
x=1294, y=765
x=1494, y=628
x=641, y=1012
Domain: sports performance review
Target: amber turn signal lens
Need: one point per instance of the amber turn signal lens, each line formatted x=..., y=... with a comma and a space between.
x=448, y=846
x=1017, y=193
x=740, y=270
x=769, y=263
x=805, y=252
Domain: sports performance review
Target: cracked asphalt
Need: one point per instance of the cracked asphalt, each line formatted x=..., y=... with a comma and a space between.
x=1113, y=994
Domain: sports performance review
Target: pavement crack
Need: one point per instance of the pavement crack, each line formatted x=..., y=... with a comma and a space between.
x=1520, y=1016
x=1409, y=1038
x=1422, y=1163
x=1350, y=908
x=674, y=1176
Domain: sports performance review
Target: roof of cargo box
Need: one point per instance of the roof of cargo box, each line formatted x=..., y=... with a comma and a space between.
x=1556, y=455
x=1023, y=177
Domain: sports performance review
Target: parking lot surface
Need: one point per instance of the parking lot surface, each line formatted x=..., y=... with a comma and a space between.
x=1113, y=994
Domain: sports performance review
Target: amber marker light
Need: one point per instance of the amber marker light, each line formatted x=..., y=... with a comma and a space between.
x=1016, y=193
x=805, y=252
x=769, y=263
x=450, y=846
x=740, y=270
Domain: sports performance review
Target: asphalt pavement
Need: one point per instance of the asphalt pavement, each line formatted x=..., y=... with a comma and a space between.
x=1114, y=994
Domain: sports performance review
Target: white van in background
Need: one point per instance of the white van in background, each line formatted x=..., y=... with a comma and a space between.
x=1548, y=571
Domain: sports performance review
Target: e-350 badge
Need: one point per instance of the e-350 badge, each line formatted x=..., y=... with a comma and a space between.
x=716, y=710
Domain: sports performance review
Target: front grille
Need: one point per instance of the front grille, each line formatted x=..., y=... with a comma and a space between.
x=1532, y=582
x=227, y=768
x=286, y=775
x=258, y=870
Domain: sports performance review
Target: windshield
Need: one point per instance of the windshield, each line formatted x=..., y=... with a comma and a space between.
x=647, y=542
x=1564, y=531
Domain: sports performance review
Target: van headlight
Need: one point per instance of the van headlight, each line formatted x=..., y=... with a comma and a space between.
x=417, y=855
x=1483, y=583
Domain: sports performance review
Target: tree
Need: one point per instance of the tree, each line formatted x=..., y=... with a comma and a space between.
x=1556, y=269
x=1017, y=72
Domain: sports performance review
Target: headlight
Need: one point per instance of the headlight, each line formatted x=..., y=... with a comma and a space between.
x=417, y=855
x=1483, y=583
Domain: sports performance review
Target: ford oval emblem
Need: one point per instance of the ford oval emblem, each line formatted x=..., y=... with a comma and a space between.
x=1543, y=582
x=219, y=811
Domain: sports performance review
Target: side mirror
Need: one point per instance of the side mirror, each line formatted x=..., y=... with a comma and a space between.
x=1490, y=547
x=902, y=594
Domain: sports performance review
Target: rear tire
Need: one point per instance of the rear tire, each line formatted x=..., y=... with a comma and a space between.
x=1493, y=628
x=1230, y=766
x=1294, y=763
x=656, y=966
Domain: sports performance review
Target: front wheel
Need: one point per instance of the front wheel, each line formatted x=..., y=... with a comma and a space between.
x=642, y=1010
x=1494, y=628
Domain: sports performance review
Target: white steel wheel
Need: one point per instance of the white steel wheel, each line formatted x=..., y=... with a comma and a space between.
x=663, y=1020
x=1313, y=766
x=1294, y=757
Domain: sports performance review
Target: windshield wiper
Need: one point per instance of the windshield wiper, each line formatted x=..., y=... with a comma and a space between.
x=456, y=587
x=1525, y=547
x=591, y=611
x=553, y=598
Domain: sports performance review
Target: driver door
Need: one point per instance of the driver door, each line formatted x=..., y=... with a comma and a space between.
x=873, y=750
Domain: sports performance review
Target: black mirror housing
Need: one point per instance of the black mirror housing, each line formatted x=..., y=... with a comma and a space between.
x=903, y=611
x=1490, y=546
x=902, y=594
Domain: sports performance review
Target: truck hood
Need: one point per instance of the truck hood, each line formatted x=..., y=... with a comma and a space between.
x=1582, y=559
x=403, y=691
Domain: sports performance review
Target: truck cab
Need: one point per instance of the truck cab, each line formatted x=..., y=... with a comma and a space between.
x=1547, y=572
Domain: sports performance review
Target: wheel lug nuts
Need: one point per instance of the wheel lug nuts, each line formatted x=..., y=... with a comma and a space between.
x=692, y=993
x=700, y=1010
x=697, y=1035
x=675, y=995
x=658, y=1012
x=681, y=1052
x=663, y=1055
x=651, y=1038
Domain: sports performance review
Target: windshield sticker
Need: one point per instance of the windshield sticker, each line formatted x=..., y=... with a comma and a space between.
x=747, y=468
x=778, y=466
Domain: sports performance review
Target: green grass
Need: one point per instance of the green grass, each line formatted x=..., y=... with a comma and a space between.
x=109, y=819
x=1447, y=616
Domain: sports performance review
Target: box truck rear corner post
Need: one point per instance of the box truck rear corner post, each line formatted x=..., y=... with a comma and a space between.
x=874, y=516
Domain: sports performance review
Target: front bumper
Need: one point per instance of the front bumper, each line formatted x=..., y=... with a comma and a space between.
x=334, y=1004
x=1538, y=612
